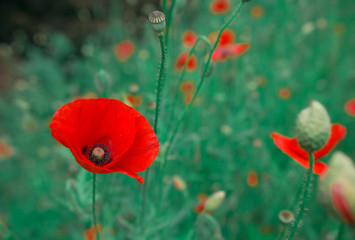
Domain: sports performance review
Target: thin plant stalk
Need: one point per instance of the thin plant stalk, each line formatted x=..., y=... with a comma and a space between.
x=168, y=22
x=304, y=198
x=160, y=87
x=93, y=205
x=206, y=67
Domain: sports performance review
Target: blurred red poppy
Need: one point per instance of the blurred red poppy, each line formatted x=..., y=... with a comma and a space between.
x=200, y=207
x=181, y=60
x=226, y=48
x=220, y=6
x=105, y=136
x=123, y=50
x=291, y=147
x=189, y=38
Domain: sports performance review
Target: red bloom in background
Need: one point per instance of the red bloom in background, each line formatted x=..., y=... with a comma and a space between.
x=226, y=48
x=123, y=50
x=202, y=199
x=350, y=107
x=181, y=60
x=220, y=6
x=105, y=136
x=291, y=147
x=188, y=38
x=134, y=101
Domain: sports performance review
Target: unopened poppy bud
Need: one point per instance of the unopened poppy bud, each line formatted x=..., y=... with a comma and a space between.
x=179, y=183
x=286, y=216
x=215, y=200
x=313, y=126
x=337, y=188
x=102, y=80
x=157, y=19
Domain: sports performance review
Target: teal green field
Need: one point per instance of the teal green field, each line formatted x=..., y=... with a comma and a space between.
x=207, y=120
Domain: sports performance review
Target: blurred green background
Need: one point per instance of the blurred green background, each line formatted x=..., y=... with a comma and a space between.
x=300, y=51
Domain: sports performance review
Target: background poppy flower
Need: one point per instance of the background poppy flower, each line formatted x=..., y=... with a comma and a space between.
x=220, y=6
x=123, y=50
x=182, y=58
x=291, y=147
x=105, y=136
x=350, y=107
x=189, y=38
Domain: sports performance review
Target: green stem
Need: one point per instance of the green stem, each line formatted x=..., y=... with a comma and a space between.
x=304, y=199
x=164, y=6
x=93, y=205
x=168, y=22
x=161, y=81
x=207, y=64
x=341, y=231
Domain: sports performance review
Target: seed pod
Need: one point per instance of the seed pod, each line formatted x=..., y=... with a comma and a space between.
x=286, y=216
x=337, y=188
x=313, y=126
x=157, y=19
x=215, y=200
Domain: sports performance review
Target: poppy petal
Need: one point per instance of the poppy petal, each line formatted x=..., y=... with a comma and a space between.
x=143, y=151
x=238, y=49
x=291, y=147
x=320, y=168
x=337, y=133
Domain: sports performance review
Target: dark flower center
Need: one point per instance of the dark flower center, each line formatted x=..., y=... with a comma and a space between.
x=98, y=154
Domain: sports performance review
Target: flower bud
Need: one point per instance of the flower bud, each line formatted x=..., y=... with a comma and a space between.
x=313, y=126
x=337, y=188
x=179, y=183
x=215, y=200
x=102, y=80
x=157, y=19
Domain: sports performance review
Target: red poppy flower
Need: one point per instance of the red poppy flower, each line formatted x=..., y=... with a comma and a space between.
x=227, y=37
x=189, y=38
x=123, y=50
x=187, y=87
x=219, y=6
x=252, y=179
x=350, y=107
x=230, y=51
x=291, y=147
x=181, y=60
x=105, y=136
x=134, y=101
x=200, y=207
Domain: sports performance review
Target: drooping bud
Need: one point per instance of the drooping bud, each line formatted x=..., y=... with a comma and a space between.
x=215, y=200
x=337, y=188
x=313, y=127
x=179, y=183
x=157, y=19
x=286, y=216
x=102, y=80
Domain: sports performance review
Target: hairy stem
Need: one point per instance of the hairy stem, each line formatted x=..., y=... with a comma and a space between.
x=93, y=205
x=304, y=198
x=160, y=87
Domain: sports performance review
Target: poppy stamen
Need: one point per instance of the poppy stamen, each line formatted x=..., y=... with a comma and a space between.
x=99, y=154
